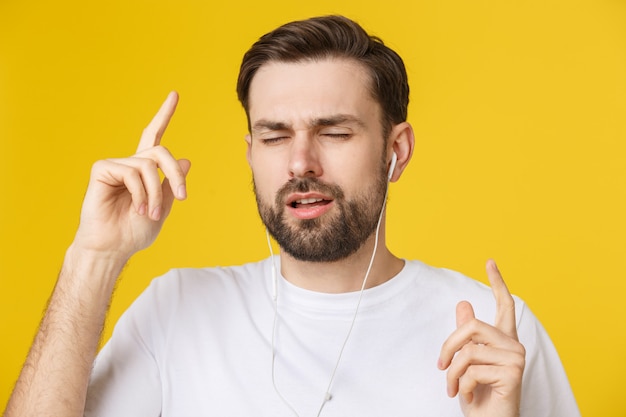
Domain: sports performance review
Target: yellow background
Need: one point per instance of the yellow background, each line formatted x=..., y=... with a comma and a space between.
x=518, y=108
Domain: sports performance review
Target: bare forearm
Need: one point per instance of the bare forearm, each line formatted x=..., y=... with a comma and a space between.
x=124, y=208
x=56, y=373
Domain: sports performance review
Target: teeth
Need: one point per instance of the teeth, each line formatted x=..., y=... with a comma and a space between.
x=309, y=200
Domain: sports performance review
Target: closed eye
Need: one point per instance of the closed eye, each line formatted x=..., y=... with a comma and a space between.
x=337, y=135
x=273, y=141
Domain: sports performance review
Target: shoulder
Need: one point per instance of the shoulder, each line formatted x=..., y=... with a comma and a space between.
x=184, y=288
x=446, y=287
x=446, y=282
x=192, y=279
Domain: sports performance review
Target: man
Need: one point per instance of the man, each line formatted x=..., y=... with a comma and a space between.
x=335, y=326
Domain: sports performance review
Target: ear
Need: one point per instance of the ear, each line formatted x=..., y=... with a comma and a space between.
x=248, y=139
x=402, y=142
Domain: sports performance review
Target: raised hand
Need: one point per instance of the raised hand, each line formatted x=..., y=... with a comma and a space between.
x=126, y=202
x=123, y=211
x=485, y=363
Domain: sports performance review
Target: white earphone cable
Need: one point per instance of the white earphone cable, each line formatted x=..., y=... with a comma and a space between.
x=327, y=395
x=275, y=297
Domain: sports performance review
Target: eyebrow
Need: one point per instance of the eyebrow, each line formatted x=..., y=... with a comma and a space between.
x=265, y=124
x=337, y=120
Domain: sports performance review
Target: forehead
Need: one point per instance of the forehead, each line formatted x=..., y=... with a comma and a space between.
x=291, y=92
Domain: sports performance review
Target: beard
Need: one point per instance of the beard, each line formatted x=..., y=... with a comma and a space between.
x=331, y=237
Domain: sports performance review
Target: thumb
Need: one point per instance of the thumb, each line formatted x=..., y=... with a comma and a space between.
x=185, y=165
x=464, y=313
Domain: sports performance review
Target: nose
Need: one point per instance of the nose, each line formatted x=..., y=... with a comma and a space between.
x=304, y=158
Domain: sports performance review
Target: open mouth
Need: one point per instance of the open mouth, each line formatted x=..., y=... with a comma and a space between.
x=309, y=202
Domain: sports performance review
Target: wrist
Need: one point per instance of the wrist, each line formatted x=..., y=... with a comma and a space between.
x=93, y=269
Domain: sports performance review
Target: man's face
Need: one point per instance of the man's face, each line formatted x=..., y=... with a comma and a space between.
x=317, y=156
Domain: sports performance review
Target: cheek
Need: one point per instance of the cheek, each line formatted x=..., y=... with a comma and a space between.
x=354, y=175
x=268, y=170
x=265, y=183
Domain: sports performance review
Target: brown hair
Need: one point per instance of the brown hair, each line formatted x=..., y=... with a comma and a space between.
x=332, y=37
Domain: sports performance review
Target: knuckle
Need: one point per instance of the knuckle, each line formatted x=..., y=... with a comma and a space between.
x=160, y=151
x=465, y=356
x=515, y=366
x=473, y=325
x=515, y=373
x=99, y=165
x=146, y=163
x=156, y=196
x=520, y=350
x=468, y=350
x=469, y=375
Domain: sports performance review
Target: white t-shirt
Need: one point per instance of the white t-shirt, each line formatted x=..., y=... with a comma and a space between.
x=198, y=342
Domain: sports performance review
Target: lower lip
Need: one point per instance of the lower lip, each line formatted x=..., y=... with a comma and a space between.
x=304, y=213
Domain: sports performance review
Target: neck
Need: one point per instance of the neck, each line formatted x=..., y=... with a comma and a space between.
x=345, y=275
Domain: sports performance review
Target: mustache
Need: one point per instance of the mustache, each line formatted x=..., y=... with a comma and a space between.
x=305, y=185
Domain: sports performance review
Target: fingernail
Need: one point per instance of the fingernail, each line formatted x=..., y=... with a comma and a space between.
x=182, y=192
x=142, y=209
x=156, y=213
x=494, y=265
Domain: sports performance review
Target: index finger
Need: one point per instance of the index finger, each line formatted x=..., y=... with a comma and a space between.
x=152, y=134
x=505, y=305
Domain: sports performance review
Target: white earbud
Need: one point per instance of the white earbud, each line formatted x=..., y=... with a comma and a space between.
x=394, y=159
